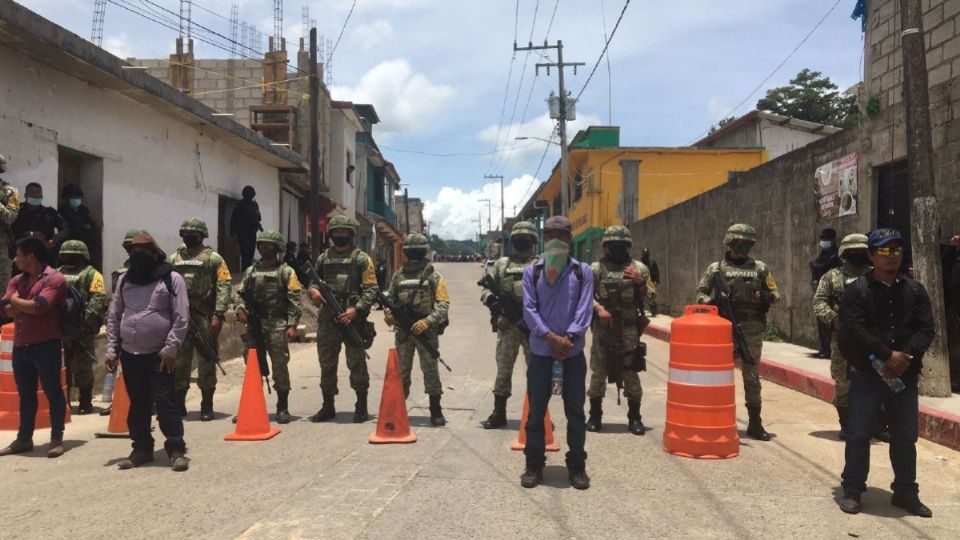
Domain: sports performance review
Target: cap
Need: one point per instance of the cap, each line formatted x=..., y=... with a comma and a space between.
x=145, y=239
x=882, y=237
x=558, y=223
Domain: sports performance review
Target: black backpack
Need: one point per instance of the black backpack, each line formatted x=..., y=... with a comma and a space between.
x=72, y=312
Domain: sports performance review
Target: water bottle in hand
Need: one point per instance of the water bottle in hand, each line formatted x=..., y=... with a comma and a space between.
x=557, y=377
x=108, y=381
x=895, y=384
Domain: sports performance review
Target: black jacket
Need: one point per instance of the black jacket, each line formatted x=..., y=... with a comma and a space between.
x=41, y=219
x=245, y=219
x=825, y=261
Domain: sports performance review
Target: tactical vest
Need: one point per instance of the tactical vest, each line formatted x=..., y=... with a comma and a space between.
x=339, y=270
x=745, y=282
x=415, y=288
x=198, y=277
x=622, y=298
x=511, y=282
x=270, y=291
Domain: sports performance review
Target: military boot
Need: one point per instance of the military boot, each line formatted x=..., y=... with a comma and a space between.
x=283, y=415
x=206, y=405
x=844, y=414
x=360, y=414
x=436, y=413
x=182, y=402
x=634, y=423
x=755, y=425
x=594, y=423
x=498, y=418
x=327, y=412
x=86, y=401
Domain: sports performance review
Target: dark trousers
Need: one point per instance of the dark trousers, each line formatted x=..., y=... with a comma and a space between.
x=148, y=385
x=41, y=361
x=823, y=331
x=867, y=394
x=539, y=390
x=248, y=248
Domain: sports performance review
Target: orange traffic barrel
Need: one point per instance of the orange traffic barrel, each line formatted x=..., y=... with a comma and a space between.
x=10, y=397
x=701, y=395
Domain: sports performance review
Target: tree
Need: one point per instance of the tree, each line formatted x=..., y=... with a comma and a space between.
x=812, y=97
x=721, y=124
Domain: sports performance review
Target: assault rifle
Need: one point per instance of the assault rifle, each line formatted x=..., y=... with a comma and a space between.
x=721, y=299
x=255, y=334
x=405, y=319
x=509, y=307
x=206, y=350
x=351, y=334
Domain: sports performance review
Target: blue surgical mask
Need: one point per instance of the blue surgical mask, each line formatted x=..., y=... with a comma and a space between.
x=35, y=201
x=75, y=202
x=826, y=244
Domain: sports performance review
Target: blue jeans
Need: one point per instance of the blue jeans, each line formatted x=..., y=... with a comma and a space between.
x=41, y=361
x=146, y=385
x=867, y=394
x=539, y=390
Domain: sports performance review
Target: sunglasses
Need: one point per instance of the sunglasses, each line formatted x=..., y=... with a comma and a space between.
x=889, y=252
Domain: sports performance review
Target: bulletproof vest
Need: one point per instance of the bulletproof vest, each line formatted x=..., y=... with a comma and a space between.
x=744, y=282
x=620, y=295
x=415, y=288
x=339, y=270
x=269, y=291
x=6, y=191
x=511, y=282
x=79, y=279
x=197, y=275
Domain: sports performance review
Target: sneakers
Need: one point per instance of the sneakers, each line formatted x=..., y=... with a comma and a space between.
x=911, y=503
x=179, y=462
x=532, y=476
x=850, y=503
x=136, y=459
x=55, y=449
x=18, y=446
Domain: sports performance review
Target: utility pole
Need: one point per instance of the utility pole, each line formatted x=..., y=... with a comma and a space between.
x=479, y=222
x=314, y=145
x=489, y=213
x=503, y=216
x=562, y=117
x=406, y=211
x=924, y=211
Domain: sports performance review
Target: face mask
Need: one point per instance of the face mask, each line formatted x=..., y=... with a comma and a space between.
x=826, y=244
x=75, y=203
x=520, y=243
x=267, y=251
x=35, y=201
x=340, y=241
x=192, y=241
x=857, y=258
x=415, y=254
x=557, y=255
x=618, y=251
x=72, y=261
x=742, y=249
x=142, y=266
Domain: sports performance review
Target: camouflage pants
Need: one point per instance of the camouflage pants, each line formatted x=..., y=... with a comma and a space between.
x=206, y=370
x=329, y=343
x=278, y=351
x=753, y=332
x=840, y=372
x=509, y=342
x=632, y=388
x=79, y=358
x=406, y=345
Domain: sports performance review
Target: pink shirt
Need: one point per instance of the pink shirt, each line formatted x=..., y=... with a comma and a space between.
x=48, y=293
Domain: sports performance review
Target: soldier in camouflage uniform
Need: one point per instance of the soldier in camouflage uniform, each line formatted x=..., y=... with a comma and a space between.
x=79, y=353
x=826, y=306
x=421, y=289
x=620, y=286
x=507, y=273
x=208, y=284
x=752, y=292
x=9, y=210
x=350, y=274
x=276, y=290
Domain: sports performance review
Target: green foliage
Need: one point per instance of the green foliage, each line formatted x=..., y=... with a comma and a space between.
x=812, y=97
x=772, y=333
x=721, y=124
x=453, y=247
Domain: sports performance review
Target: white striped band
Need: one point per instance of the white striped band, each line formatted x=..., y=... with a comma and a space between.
x=6, y=346
x=6, y=366
x=701, y=378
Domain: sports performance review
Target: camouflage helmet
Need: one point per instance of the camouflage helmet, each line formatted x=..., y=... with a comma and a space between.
x=524, y=228
x=75, y=247
x=617, y=233
x=272, y=237
x=342, y=222
x=853, y=241
x=416, y=241
x=3, y=163
x=194, y=224
x=739, y=231
x=128, y=238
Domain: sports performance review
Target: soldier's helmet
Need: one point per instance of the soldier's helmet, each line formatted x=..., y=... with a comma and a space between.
x=75, y=247
x=128, y=238
x=194, y=224
x=3, y=163
x=271, y=237
x=416, y=241
x=342, y=222
x=524, y=228
x=853, y=241
x=617, y=233
x=739, y=231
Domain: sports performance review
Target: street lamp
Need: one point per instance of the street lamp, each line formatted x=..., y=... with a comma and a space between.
x=522, y=138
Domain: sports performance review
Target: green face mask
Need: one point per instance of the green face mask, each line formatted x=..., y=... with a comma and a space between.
x=555, y=260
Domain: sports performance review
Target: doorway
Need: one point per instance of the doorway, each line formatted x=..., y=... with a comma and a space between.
x=86, y=172
x=226, y=243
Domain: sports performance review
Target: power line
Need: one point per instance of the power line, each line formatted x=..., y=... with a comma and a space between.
x=342, y=29
x=605, y=47
x=776, y=69
x=603, y=20
x=506, y=90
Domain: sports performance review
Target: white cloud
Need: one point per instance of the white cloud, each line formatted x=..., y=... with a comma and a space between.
x=453, y=214
x=406, y=101
x=541, y=127
x=718, y=108
x=374, y=34
x=118, y=45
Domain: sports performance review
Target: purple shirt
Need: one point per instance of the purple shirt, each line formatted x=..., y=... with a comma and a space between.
x=566, y=307
x=146, y=319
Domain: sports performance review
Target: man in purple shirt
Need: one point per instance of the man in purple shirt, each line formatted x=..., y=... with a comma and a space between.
x=558, y=308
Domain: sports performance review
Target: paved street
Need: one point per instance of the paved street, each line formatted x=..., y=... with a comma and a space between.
x=326, y=481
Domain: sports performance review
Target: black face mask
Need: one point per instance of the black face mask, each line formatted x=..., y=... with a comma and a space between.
x=72, y=261
x=192, y=241
x=142, y=267
x=415, y=254
x=521, y=243
x=857, y=258
x=618, y=252
x=267, y=252
x=340, y=241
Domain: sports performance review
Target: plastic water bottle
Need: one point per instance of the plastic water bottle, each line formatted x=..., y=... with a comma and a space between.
x=557, y=377
x=108, y=382
x=895, y=384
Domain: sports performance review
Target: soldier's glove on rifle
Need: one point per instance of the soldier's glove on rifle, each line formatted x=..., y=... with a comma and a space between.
x=420, y=327
x=492, y=303
x=389, y=318
x=242, y=315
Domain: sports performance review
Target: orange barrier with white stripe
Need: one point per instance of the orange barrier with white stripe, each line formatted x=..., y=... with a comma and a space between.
x=701, y=393
x=10, y=397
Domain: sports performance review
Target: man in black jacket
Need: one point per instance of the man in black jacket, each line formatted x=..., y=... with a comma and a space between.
x=244, y=226
x=886, y=326
x=827, y=259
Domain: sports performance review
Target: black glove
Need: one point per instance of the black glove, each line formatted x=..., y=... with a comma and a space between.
x=491, y=302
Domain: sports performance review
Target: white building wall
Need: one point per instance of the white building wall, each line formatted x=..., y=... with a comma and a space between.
x=344, y=139
x=779, y=140
x=153, y=176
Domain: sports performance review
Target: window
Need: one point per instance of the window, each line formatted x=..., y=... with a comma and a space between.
x=350, y=168
x=577, y=187
x=557, y=208
x=379, y=183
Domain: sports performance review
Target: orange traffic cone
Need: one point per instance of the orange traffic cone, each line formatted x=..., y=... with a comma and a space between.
x=521, y=442
x=252, y=421
x=119, y=409
x=393, y=424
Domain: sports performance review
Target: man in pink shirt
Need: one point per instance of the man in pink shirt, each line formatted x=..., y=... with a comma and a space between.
x=34, y=298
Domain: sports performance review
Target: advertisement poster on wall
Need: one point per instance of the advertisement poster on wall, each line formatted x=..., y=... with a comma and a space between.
x=835, y=187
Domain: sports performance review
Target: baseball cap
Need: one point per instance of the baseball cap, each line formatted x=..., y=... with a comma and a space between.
x=558, y=223
x=882, y=237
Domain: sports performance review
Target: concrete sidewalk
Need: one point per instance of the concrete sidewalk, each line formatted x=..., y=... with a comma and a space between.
x=791, y=366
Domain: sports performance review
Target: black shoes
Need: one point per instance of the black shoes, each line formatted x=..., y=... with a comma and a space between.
x=136, y=459
x=206, y=405
x=436, y=413
x=327, y=412
x=360, y=414
x=532, y=476
x=85, y=405
x=850, y=503
x=755, y=426
x=634, y=422
x=595, y=423
x=18, y=446
x=911, y=503
x=498, y=418
x=578, y=478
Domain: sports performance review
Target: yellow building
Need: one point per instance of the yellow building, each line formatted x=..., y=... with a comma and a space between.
x=663, y=177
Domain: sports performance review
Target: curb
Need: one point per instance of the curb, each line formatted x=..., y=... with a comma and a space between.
x=935, y=425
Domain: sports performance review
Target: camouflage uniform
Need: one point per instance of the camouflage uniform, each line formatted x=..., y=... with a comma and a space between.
x=9, y=210
x=79, y=353
x=745, y=278
x=209, y=286
x=351, y=276
x=276, y=290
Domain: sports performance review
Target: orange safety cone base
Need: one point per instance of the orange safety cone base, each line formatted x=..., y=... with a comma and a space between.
x=271, y=433
x=253, y=424
x=393, y=422
x=521, y=441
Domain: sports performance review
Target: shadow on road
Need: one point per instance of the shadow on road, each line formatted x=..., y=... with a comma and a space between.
x=555, y=476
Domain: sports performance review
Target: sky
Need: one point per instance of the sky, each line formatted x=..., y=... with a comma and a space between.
x=452, y=94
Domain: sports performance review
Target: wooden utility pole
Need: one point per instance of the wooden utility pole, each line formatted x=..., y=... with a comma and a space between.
x=924, y=215
x=314, y=145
